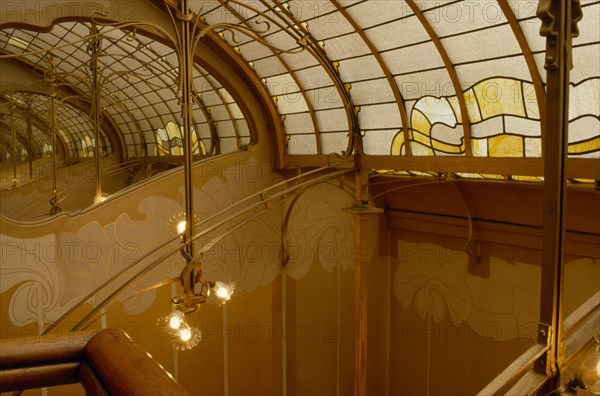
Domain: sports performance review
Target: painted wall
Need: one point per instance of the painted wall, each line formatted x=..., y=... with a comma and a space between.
x=441, y=320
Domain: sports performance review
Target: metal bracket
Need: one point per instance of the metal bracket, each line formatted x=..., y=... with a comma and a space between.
x=547, y=11
x=541, y=364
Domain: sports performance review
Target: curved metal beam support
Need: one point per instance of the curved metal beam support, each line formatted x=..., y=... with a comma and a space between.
x=23, y=139
x=281, y=197
x=451, y=72
x=291, y=72
x=536, y=78
x=215, y=147
x=55, y=208
x=40, y=123
x=309, y=105
x=312, y=45
x=386, y=71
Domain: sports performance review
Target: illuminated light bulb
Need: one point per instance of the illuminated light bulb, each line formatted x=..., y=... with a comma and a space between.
x=176, y=320
x=172, y=322
x=181, y=226
x=223, y=291
x=186, y=337
x=185, y=333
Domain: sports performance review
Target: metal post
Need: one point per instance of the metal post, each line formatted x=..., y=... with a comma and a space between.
x=50, y=77
x=185, y=70
x=54, y=200
x=557, y=20
x=362, y=212
x=94, y=51
x=13, y=134
x=30, y=140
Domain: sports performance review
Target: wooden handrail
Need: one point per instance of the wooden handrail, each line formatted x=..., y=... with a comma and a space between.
x=106, y=363
x=124, y=368
x=42, y=350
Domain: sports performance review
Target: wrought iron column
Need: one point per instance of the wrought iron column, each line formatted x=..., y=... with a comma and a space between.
x=186, y=80
x=30, y=141
x=94, y=52
x=50, y=77
x=559, y=18
x=13, y=136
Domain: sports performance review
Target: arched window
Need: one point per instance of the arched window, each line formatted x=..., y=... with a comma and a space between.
x=169, y=141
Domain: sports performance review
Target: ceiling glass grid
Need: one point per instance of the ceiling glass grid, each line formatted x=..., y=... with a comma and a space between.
x=139, y=83
x=38, y=142
x=279, y=78
x=305, y=94
x=455, y=57
x=454, y=77
x=73, y=125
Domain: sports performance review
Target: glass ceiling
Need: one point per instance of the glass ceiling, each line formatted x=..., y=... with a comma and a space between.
x=410, y=78
x=449, y=77
x=74, y=128
x=138, y=78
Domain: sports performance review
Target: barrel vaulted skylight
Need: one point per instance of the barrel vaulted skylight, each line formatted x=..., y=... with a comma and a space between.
x=409, y=79
x=461, y=78
x=138, y=78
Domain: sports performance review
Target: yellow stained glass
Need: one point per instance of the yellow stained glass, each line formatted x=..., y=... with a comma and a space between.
x=420, y=123
x=530, y=100
x=160, y=150
x=479, y=147
x=397, y=144
x=498, y=96
x=505, y=146
x=423, y=139
x=448, y=148
x=472, y=106
x=585, y=147
x=173, y=130
x=418, y=149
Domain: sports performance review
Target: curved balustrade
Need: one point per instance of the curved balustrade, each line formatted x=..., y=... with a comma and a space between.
x=234, y=217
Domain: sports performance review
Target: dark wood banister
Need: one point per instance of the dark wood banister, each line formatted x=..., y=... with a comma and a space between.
x=105, y=363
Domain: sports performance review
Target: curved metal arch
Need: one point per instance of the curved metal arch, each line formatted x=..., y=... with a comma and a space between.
x=309, y=105
x=386, y=72
x=112, y=132
x=166, y=7
x=40, y=123
x=211, y=123
x=217, y=46
x=466, y=122
x=292, y=73
x=315, y=49
x=19, y=137
x=113, y=102
x=536, y=78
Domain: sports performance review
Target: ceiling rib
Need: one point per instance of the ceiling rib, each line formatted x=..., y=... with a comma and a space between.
x=320, y=55
x=292, y=73
x=451, y=72
x=387, y=73
x=538, y=85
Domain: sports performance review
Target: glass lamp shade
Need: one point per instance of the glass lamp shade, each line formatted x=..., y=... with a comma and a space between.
x=589, y=372
x=223, y=291
x=186, y=337
x=172, y=322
